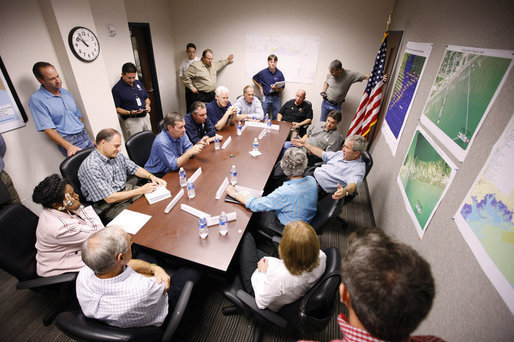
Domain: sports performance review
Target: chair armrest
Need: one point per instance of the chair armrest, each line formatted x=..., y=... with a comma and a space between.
x=45, y=281
x=265, y=314
x=178, y=311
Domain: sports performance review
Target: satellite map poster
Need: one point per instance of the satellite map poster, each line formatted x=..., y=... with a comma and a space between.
x=485, y=217
x=424, y=179
x=405, y=87
x=464, y=90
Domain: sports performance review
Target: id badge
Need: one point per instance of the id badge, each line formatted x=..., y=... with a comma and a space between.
x=138, y=101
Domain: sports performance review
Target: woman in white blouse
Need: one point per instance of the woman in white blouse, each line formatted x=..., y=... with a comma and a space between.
x=277, y=282
x=62, y=227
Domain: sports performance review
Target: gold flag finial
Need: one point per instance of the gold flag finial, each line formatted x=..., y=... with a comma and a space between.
x=388, y=24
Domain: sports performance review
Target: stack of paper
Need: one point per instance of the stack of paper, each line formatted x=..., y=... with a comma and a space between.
x=158, y=195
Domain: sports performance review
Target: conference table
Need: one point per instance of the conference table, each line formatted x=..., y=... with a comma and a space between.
x=176, y=233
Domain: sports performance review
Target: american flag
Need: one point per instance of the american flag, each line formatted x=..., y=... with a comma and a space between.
x=367, y=113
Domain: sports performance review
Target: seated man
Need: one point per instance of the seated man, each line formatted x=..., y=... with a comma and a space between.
x=297, y=111
x=248, y=106
x=198, y=125
x=103, y=176
x=122, y=291
x=387, y=287
x=171, y=148
x=295, y=200
x=220, y=110
x=343, y=170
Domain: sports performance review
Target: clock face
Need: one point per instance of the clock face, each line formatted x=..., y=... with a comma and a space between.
x=84, y=44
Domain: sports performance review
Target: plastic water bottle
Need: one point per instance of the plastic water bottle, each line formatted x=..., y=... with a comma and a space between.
x=202, y=227
x=233, y=175
x=239, y=128
x=216, y=142
x=253, y=116
x=182, y=177
x=223, y=224
x=190, y=190
x=256, y=145
x=268, y=123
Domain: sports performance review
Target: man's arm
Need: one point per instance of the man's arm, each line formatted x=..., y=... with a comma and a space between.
x=145, y=268
x=188, y=154
x=325, y=87
x=341, y=192
x=223, y=121
x=55, y=136
x=300, y=124
x=186, y=78
x=318, y=152
x=258, y=85
x=279, y=117
x=121, y=196
x=147, y=105
x=142, y=173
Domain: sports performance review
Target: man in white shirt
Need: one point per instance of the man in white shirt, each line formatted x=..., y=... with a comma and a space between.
x=191, y=57
x=248, y=106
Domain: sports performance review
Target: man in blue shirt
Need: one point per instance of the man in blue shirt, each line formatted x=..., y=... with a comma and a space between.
x=132, y=101
x=171, y=148
x=341, y=171
x=220, y=110
x=56, y=113
x=265, y=80
x=248, y=106
x=198, y=125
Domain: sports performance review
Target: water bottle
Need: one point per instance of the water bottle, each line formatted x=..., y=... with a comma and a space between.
x=190, y=190
x=223, y=224
x=202, y=227
x=239, y=128
x=182, y=177
x=253, y=116
x=268, y=123
x=216, y=142
x=255, y=145
x=233, y=175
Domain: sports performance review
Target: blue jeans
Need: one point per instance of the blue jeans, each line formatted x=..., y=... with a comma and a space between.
x=327, y=107
x=81, y=140
x=271, y=103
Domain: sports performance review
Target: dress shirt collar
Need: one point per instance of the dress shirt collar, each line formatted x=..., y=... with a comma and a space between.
x=170, y=137
x=354, y=334
x=47, y=93
x=102, y=157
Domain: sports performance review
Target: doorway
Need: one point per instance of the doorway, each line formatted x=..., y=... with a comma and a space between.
x=145, y=64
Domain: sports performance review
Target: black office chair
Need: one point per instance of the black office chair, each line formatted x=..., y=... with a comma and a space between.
x=311, y=313
x=327, y=209
x=139, y=146
x=70, y=167
x=79, y=327
x=18, y=258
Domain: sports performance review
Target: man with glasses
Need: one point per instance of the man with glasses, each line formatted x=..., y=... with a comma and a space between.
x=198, y=126
x=200, y=77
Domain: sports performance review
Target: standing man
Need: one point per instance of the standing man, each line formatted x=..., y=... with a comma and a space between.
x=336, y=86
x=200, y=77
x=171, y=148
x=266, y=80
x=103, y=176
x=198, y=125
x=248, y=106
x=298, y=111
x=132, y=101
x=56, y=113
x=220, y=110
x=191, y=57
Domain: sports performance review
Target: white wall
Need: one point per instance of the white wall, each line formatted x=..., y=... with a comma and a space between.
x=349, y=31
x=467, y=306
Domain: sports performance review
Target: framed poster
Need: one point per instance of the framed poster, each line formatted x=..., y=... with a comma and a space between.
x=12, y=115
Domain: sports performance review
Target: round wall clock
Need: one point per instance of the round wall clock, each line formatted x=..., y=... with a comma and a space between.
x=84, y=44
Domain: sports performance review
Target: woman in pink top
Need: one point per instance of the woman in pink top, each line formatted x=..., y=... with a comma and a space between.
x=62, y=227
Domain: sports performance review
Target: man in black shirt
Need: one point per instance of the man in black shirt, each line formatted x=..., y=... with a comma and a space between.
x=298, y=112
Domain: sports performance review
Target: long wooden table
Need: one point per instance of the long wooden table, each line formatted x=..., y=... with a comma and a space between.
x=176, y=233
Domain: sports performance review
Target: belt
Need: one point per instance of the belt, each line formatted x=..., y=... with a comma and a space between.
x=334, y=103
x=140, y=115
x=273, y=94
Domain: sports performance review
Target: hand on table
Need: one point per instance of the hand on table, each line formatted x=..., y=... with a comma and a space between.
x=159, y=181
x=148, y=188
x=231, y=191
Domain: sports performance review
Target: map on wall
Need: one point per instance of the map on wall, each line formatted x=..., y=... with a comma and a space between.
x=297, y=55
x=466, y=85
x=485, y=218
x=405, y=88
x=424, y=178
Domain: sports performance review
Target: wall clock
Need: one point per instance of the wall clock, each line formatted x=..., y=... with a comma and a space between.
x=84, y=44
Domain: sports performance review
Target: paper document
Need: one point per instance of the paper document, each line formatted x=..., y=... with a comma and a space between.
x=158, y=194
x=130, y=221
x=195, y=175
x=280, y=84
x=211, y=221
x=222, y=188
x=255, y=153
x=174, y=201
x=225, y=144
x=193, y=211
x=260, y=125
x=248, y=192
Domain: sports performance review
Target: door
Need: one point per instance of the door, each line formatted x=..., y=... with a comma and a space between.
x=145, y=63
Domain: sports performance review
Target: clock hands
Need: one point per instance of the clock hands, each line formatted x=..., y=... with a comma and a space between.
x=82, y=40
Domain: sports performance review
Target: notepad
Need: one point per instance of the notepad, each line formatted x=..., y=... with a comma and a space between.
x=130, y=221
x=159, y=194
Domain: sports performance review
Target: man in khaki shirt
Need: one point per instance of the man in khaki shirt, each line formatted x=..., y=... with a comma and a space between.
x=200, y=77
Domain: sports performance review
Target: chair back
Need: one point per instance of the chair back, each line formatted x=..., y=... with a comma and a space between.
x=368, y=160
x=313, y=312
x=17, y=245
x=70, y=167
x=327, y=208
x=139, y=146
